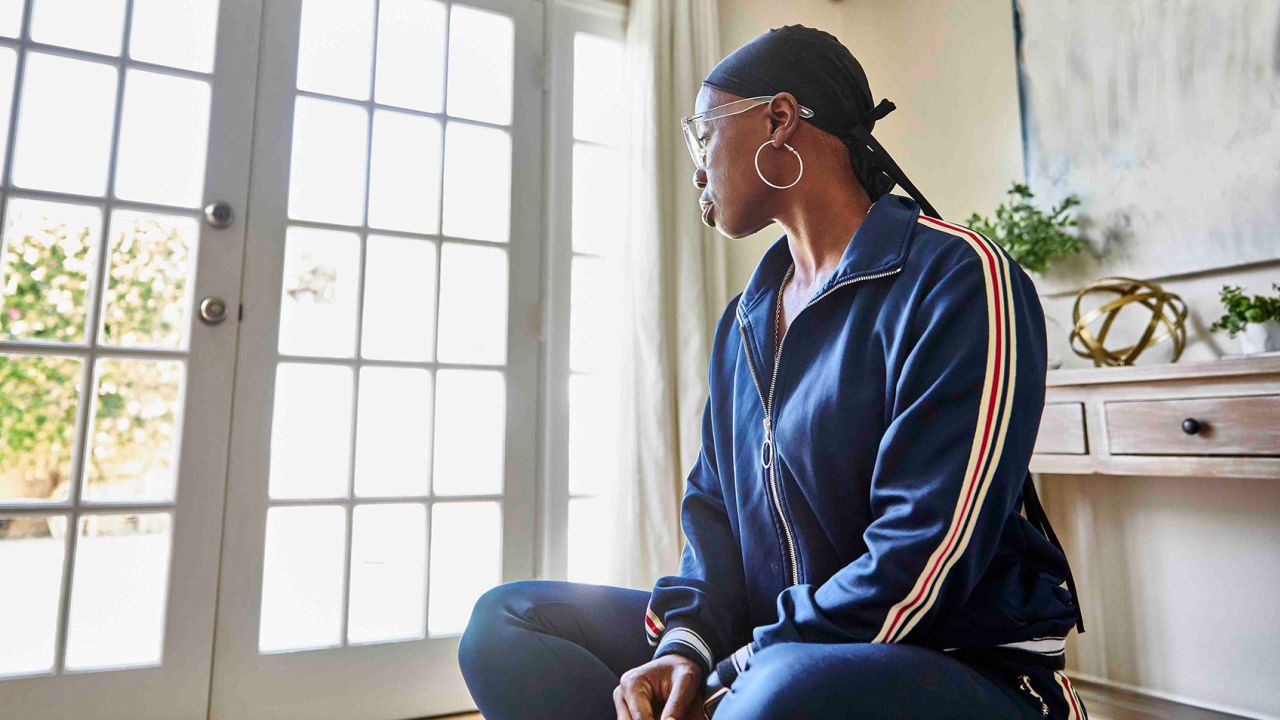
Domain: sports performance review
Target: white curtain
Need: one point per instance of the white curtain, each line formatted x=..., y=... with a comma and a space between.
x=672, y=284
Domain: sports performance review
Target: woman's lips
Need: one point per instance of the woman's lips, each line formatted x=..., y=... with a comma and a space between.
x=706, y=214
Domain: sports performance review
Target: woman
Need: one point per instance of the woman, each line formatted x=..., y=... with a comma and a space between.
x=855, y=546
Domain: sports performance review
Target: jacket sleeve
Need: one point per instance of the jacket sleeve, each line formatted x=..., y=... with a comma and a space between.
x=701, y=612
x=962, y=421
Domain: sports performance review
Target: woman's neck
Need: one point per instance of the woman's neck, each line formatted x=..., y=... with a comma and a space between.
x=819, y=224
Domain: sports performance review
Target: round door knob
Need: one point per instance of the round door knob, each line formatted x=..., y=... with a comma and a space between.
x=1191, y=426
x=213, y=310
x=219, y=214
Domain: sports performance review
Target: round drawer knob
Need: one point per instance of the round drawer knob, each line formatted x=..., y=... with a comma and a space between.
x=1191, y=426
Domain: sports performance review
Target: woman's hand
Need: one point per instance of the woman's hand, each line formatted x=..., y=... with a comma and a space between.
x=673, y=678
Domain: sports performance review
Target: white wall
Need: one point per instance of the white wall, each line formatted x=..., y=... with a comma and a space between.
x=1179, y=577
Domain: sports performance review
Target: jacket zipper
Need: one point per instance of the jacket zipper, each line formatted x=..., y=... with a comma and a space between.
x=1026, y=685
x=768, y=448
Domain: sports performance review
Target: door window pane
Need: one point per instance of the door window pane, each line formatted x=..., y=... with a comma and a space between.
x=38, y=399
x=95, y=25
x=481, y=65
x=302, y=578
x=318, y=296
x=399, y=299
x=473, y=304
x=599, y=99
x=388, y=573
x=326, y=172
x=410, y=54
x=164, y=129
x=593, y=445
x=311, y=431
x=137, y=421
x=592, y=548
x=118, y=591
x=459, y=578
x=335, y=47
x=599, y=197
x=593, y=314
x=32, y=550
x=64, y=125
x=404, y=181
x=470, y=432
x=177, y=33
x=393, y=443
x=50, y=250
x=150, y=274
x=477, y=182
x=8, y=69
x=11, y=18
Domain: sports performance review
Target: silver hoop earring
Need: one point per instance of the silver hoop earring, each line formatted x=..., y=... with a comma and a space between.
x=793, y=152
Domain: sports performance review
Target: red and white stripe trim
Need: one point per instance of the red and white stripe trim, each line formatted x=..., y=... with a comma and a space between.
x=653, y=626
x=1075, y=709
x=988, y=438
x=692, y=639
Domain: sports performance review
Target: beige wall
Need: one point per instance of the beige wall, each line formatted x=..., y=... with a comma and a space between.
x=1179, y=576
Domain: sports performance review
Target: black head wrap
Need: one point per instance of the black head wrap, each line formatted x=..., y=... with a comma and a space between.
x=823, y=76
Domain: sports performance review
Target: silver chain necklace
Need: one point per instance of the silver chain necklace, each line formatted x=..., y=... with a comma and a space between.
x=777, y=312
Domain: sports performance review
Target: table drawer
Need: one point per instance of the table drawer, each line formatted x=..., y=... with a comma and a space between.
x=1062, y=429
x=1243, y=425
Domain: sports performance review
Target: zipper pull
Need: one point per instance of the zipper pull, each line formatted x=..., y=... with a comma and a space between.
x=766, y=448
x=1026, y=685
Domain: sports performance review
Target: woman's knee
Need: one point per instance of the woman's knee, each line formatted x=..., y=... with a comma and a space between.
x=804, y=679
x=492, y=613
x=770, y=686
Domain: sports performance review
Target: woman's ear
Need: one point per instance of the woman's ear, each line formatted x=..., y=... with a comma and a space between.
x=784, y=117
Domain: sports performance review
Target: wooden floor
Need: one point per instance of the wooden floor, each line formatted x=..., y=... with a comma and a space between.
x=1107, y=703
x=1102, y=703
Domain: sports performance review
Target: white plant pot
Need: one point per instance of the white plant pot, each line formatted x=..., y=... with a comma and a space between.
x=1260, y=337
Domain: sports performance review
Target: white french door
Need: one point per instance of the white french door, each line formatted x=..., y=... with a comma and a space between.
x=384, y=431
x=269, y=350
x=120, y=121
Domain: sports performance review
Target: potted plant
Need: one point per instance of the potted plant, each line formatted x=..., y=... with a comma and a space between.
x=1032, y=237
x=1256, y=318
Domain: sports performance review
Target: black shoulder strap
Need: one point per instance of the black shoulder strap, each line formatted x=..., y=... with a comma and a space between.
x=1035, y=514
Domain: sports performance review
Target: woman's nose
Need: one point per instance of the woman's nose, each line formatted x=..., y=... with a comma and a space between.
x=699, y=178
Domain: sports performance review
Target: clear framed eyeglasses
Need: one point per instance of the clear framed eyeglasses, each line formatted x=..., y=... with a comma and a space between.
x=695, y=139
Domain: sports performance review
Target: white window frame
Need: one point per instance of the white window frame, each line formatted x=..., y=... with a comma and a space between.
x=566, y=18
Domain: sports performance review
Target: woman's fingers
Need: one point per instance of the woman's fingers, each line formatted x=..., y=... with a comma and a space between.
x=684, y=691
x=637, y=694
x=620, y=705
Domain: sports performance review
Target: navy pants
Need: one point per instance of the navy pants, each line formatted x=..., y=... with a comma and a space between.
x=539, y=649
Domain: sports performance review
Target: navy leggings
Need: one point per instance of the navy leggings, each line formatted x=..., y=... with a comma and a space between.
x=539, y=649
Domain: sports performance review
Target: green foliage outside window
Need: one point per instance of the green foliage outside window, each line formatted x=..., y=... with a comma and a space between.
x=47, y=268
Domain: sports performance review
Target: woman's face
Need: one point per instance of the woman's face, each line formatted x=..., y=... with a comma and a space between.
x=734, y=200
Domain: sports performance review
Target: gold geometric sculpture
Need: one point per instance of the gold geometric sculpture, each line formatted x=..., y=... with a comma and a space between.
x=1159, y=303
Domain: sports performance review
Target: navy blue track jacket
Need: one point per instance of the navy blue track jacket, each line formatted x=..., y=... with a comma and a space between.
x=868, y=487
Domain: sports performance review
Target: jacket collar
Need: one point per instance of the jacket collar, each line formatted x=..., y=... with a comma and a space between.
x=879, y=244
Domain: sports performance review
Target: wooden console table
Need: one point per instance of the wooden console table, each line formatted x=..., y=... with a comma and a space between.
x=1219, y=418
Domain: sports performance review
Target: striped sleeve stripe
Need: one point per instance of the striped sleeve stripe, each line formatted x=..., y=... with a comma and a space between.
x=988, y=441
x=740, y=657
x=692, y=639
x=652, y=626
x=1069, y=694
x=1005, y=338
x=1041, y=646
